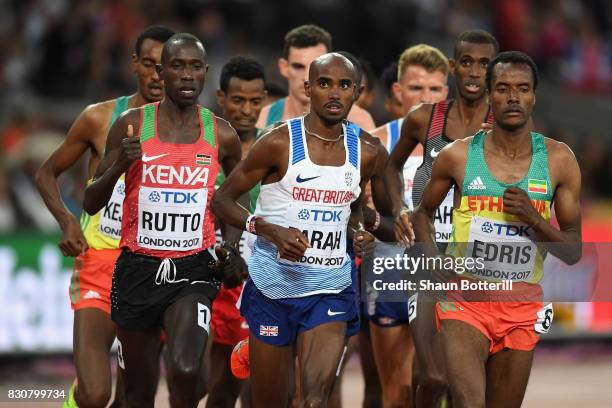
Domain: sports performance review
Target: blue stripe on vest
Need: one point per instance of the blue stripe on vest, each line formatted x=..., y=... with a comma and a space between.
x=297, y=142
x=395, y=132
x=352, y=139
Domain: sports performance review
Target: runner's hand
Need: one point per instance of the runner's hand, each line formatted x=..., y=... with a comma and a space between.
x=403, y=228
x=230, y=267
x=363, y=243
x=517, y=202
x=73, y=242
x=129, y=150
x=486, y=126
x=291, y=243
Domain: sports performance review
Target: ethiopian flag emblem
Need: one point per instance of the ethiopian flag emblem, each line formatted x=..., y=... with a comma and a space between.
x=203, y=159
x=537, y=186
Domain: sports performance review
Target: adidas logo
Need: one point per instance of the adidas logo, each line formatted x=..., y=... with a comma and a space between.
x=92, y=294
x=477, y=184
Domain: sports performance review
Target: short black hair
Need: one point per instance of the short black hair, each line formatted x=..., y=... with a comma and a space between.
x=389, y=77
x=305, y=36
x=156, y=33
x=476, y=37
x=246, y=68
x=180, y=37
x=512, y=57
x=368, y=71
x=275, y=89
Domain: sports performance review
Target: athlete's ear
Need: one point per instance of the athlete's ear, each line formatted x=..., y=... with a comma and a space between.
x=220, y=98
x=397, y=91
x=283, y=67
x=358, y=91
x=452, y=64
x=206, y=68
x=307, y=88
x=134, y=62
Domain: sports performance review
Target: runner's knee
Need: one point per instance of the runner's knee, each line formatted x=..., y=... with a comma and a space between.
x=92, y=395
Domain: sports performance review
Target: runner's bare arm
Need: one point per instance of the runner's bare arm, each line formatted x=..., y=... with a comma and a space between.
x=362, y=240
x=412, y=133
x=77, y=142
x=230, y=154
x=380, y=197
x=122, y=148
x=268, y=156
x=443, y=177
x=564, y=243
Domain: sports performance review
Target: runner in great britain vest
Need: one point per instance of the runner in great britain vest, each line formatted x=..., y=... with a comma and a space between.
x=316, y=200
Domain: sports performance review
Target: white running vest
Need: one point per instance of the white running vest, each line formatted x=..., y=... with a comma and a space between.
x=317, y=201
x=394, y=129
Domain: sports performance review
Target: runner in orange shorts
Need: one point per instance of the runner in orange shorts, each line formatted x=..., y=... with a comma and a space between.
x=505, y=181
x=95, y=241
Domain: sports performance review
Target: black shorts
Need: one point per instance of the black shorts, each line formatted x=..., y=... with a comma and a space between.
x=143, y=288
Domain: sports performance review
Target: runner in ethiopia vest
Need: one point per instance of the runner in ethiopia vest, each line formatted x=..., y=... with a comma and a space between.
x=435, y=140
x=166, y=208
x=316, y=200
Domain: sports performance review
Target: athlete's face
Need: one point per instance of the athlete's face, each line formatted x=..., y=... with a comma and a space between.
x=512, y=95
x=470, y=69
x=332, y=89
x=417, y=85
x=184, y=72
x=242, y=102
x=296, y=67
x=150, y=86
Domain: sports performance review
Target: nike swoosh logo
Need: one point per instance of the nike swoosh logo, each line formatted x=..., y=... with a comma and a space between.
x=330, y=313
x=146, y=158
x=302, y=180
x=433, y=153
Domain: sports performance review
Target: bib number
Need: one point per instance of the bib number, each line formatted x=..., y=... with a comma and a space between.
x=204, y=317
x=412, y=307
x=443, y=218
x=171, y=219
x=110, y=215
x=545, y=318
x=324, y=228
x=505, y=248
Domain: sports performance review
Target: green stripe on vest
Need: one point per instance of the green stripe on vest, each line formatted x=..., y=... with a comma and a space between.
x=147, y=131
x=209, y=126
x=479, y=181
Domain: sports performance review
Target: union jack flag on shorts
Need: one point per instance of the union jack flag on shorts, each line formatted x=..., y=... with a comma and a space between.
x=268, y=330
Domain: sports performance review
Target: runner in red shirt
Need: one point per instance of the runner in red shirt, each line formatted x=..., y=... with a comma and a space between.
x=163, y=279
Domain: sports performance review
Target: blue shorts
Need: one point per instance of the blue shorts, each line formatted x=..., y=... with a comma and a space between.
x=279, y=321
x=388, y=314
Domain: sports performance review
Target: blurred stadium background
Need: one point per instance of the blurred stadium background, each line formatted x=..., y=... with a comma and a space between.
x=57, y=56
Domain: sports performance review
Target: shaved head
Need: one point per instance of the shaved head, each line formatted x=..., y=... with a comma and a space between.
x=179, y=40
x=328, y=60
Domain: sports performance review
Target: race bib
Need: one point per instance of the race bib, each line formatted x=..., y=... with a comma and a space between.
x=171, y=219
x=443, y=218
x=110, y=215
x=412, y=307
x=505, y=248
x=325, y=230
x=545, y=318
